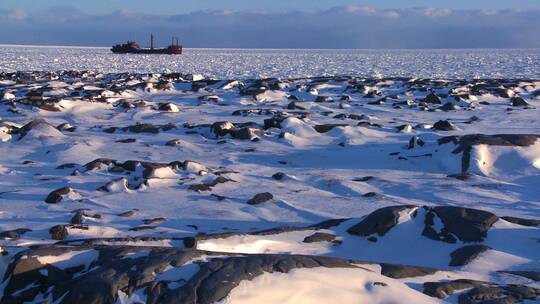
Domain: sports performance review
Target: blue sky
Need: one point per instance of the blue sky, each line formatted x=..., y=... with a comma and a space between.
x=182, y=6
x=388, y=24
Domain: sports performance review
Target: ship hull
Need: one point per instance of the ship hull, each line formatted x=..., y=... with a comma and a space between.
x=149, y=51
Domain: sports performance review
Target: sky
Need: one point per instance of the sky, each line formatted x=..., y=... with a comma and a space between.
x=171, y=7
x=276, y=23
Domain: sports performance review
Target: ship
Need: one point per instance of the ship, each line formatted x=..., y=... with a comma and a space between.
x=132, y=47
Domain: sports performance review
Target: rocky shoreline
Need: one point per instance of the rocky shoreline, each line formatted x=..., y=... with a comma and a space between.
x=168, y=188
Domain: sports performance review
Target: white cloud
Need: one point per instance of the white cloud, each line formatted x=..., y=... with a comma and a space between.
x=437, y=12
x=360, y=9
x=16, y=14
x=391, y=13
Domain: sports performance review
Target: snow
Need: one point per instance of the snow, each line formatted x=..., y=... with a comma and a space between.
x=326, y=174
x=507, y=253
x=178, y=276
x=70, y=259
x=136, y=297
x=43, y=130
x=290, y=242
x=324, y=285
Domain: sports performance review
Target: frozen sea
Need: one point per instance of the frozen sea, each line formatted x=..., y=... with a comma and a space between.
x=161, y=189
x=255, y=63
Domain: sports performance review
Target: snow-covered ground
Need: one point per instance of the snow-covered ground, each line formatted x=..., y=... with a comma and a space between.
x=197, y=190
x=249, y=63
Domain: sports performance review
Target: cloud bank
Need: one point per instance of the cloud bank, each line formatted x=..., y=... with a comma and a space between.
x=339, y=27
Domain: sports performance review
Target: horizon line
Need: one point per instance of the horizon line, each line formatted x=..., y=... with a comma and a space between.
x=259, y=48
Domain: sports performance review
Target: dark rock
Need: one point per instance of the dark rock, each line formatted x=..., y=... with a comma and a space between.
x=23, y=131
x=141, y=228
x=469, y=225
x=415, y=141
x=128, y=213
x=372, y=239
x=351, y=116
x=448, y=107
x=319, y=237
x=65, y=127
x=522, y=221
x=67, y=166
x=154, y=220
x=200, y=187
x=168, y=107
x=246, y=133
x=404, y=128
x=465, y=143
x=220, y=180
x=112, y=272
x=218, y=197
x=379, y=221
x=397, y=271
x=99, y=163
x=13, y=234
x=464, y=255
x=57, y=195
x=209, y=186
x=293, y=106
x=292, y=97
x=518, y=102
x=110, y=130
x=442, y=290
x=273, y=122
x=222, y=128
x=485, y=294
x=369, y=124
x=173, y=142
x=329, y=223
x=363, y=179
x=504, y=92
x=190, y=242
x=279, y=176
x=148, y=128
x=78, y=218
x=432, y=98
x=531, y=275
x=369, y=194
x=143, y=128
x=58, y=232
x=122, y=103
x=327, y=127
x=126, y=141
x=324, y=99
x=260, y=198
x=218, y=277
x=443, y=125
x=377, y=102
x=461, y=176
x=130, y=165
x=521, y=292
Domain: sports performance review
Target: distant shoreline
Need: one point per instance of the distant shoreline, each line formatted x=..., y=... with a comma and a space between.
x=271, y=49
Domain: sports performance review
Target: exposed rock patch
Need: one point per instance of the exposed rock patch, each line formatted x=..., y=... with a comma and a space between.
x=379, y=222
x=58, y=195
x=260, y=198
x=466, y=254
x=467, y=225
